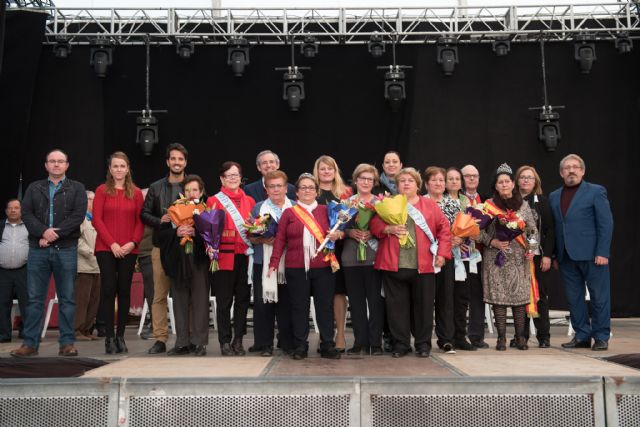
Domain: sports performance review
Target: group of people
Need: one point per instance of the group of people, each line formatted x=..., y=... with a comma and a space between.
x=91, y=242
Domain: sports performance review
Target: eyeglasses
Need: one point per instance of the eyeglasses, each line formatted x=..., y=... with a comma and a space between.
x=53, y=162
x=231, y=176
x=275, y=186
x=307, y=188
x=365, y=179
x=471, y=176
x=572, y=167
x=527, y=178
x=268, y=162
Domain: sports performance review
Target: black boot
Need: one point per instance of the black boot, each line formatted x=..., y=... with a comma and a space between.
x=236, y=346
x=520, y=323
x=110, y=345
x=121, y=346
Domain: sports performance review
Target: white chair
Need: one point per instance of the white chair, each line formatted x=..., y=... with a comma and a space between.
x=213, y=310
x=488, y=317
x=47, y=318
x=15, y=310
x=312, y=310
x=145, y=310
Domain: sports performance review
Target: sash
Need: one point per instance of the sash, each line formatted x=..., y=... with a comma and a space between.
x=312, y=225
x=237, y=222
x=270, y=283
x=534, y=292
x=418, y=218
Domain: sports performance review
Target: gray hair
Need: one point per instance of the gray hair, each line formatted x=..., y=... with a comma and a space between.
x=262, y=153
x=573, y=157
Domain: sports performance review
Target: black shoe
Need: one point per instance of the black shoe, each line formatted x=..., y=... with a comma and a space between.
x=110, y=346
x=448, y=348
x=501, y=344
x=544, y=343
x=179, y=351
x=102, y=332
x=377, y=351
x=464, y=345
x=399, y=353
x=157, y=348
x=575, y=343
x=512, y=343
x=479, y=344
x=299, y=355
x=121, y=346
x=422, y=353
x=237, y=347
x=332, y=353
x=600, y=345
x=225, y=349
x=200, y=350
x=357, y=350
x=256, y=348
x=388, y=345
x=521, y=343
x=267, y=351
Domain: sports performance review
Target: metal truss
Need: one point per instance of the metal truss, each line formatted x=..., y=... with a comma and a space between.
x=37, y=4
x=344, y=25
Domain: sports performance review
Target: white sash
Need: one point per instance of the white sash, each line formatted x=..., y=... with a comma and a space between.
x=238, y=221
x=270, y=283
x=418, y=218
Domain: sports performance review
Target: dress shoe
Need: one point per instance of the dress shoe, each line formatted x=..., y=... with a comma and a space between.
x=600, y=345
x=68, y=350
x=179, y=351
x=121, y=346
x=200, y=350
x=399, y=353
x=357, y=350
x=387, y=345
x=110, y=345
x=521, y=343
x=448, y=348
x=299, y=355
x=237, y=347
x=377, y=351
x=332, y=353
x=575, y=343
x=267, y=351
x=464, y=345
x=225, y=349
x=157, y=348
x=422, y=353
x=479, y=344
x=24, y=351
x=544, y=343
x=256, y=348
x=501, y=344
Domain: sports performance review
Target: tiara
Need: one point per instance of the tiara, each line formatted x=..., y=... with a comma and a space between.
x=504, y=168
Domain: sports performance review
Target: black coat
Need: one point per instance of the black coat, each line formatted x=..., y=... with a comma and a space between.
x=176, y=263
x=545, y=223
x=155, y=206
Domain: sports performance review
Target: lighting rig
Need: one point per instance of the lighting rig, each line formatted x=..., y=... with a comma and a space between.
x=447, y=54
x=101, y=56
x=584, y=52
x=293, y=81
x=238, y=55
x=394, y=85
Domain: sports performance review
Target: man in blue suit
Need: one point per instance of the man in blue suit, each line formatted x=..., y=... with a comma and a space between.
x=266, y=161
x=584, y=226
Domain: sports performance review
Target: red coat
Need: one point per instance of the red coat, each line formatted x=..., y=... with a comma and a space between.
x=117, y=219
x=389, y=245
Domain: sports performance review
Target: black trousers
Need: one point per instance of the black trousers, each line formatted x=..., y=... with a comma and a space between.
x=406, y=289
x=444, y=304
x=460, y=307
x=542, y=322
x=191, y=307
x=364, y=286
x=12, y=282
x=147, y=278
x=115, y=275
x=318, y=283
x=476, y=303
x=232, y=287
x=265, y=315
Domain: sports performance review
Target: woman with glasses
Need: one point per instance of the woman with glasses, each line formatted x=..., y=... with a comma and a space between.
x=230, y=282
x=529, y=185
x=301, y=230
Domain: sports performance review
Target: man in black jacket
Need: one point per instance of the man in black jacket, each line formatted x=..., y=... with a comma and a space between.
x=52, y=210
x=160, y=196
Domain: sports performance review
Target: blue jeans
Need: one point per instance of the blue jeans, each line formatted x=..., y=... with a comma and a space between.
x=40, y=264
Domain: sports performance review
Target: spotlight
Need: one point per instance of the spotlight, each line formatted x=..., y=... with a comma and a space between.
x=501, y=46
x=309, y=48
x=623, y=43
x=549, y=128
x=293, y=88
x=584, y=52
x=238, y=55
x=447, y=54
x=394, y=88
x=101, y=56
x=185, y=48
x=146, y=132
x=61, y=49
x=376, y=46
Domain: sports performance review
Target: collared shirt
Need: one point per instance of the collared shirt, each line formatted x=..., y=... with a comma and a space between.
x=14, y=246
x=52, y=192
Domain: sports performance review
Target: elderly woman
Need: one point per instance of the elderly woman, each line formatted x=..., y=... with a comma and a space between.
x=507, y=285
x=408, y=274
x=363, y=281
x=391, y=164
x=230, y=282
x=302, y=228
x=529, y=185
x=333, y=187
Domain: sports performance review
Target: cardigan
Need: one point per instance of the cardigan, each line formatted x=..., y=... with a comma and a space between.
x=117, y=219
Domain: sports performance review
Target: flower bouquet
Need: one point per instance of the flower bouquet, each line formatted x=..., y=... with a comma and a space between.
x=209, y=225
x=181, y=213
x=262, y=226
x=509, y=225
x=339, y=216
x=481, y=216
x=366, y=211
x=465, y=226
x=393, y=211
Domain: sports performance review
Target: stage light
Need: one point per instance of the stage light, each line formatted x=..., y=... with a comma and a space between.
x=585, y=52
x=185, y=48
x=623, y=43
x=238, y=55
x=501, y=46
x=447, y=54
x=309, y=48
x=293, y=88
x=376, y=46
x=62, y=48
x=549, y=128
x=146, y=132
x=101, y=57
x=394, y=87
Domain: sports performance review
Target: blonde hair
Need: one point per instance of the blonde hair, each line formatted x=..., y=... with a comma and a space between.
x=129, y=186
x=366, y=167
x=338, y=187
x=411, y=172
x=537, y=188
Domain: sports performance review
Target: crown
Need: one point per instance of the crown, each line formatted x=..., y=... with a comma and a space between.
x=504, y=168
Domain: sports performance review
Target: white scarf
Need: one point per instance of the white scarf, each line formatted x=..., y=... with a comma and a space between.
x=270, y=284
x=308, y=241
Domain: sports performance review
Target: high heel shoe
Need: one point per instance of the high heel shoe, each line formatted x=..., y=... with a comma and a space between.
x=121, y=346
x=110, y=345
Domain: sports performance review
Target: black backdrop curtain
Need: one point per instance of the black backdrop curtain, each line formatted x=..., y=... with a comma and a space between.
x=479, y=115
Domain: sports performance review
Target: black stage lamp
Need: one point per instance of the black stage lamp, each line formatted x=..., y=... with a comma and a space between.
x=238, y=55
x=447, y=54
x=394, y=88
x=293, y=88
x=309, y=48
x=584, y=52
x=62, y=48
x=376, y=46
x=623, y=43
x=501, y=46
x=101, y=57
x=146, y=132
x=185, y=48
x=549, y=128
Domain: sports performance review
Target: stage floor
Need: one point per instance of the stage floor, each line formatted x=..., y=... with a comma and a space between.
x=554, y=361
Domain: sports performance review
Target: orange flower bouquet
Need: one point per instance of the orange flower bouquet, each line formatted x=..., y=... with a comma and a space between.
x=181, y=213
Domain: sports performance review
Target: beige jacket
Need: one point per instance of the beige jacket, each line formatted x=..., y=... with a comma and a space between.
x=86, y=244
